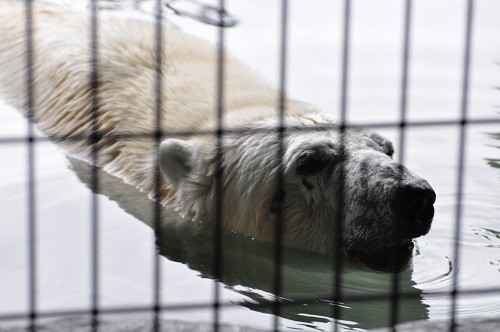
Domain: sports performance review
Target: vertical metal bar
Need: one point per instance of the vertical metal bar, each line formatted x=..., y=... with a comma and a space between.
x=339, y=216
x=157, y=175
x=461, y=160
x=218, y=223
x=95, y=137
x=403, y=105
x=402, y=140
x=280, y=193
x=32, y=299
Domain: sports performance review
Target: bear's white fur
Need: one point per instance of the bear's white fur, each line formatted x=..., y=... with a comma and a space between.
x=127, y=107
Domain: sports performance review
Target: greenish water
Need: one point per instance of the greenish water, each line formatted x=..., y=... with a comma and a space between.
x=493, y=162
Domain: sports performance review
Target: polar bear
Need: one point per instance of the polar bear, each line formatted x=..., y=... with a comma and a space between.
x=384, y=207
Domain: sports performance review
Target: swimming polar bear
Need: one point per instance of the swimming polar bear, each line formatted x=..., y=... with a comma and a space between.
x=385, y=205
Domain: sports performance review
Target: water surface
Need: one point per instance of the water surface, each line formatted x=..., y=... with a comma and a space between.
x=127, y=243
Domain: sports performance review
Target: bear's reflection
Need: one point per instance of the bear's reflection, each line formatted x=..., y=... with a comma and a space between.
x=248, y=268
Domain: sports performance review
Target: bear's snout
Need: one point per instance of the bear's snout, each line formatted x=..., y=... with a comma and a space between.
x=414, y=204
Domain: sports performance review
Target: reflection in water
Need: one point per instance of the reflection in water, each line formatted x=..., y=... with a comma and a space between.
x=494, y=162
x=248, y=268
x=488, y=234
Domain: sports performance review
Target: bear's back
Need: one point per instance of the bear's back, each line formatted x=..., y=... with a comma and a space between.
x=127, y=85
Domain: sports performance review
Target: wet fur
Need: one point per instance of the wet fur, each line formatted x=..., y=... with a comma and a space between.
x=127, y=105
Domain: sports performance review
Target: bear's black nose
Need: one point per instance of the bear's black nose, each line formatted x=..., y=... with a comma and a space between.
x=415, y=203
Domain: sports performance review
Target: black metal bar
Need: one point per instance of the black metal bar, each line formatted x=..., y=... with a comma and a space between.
x=339, y=215
x=156, y=168
x=32, y=289
x=202, y=306
x=94, y=139
x=218, y=181
x=280, y=193
x=323, y=127
x=402, y=140
x=461, y=161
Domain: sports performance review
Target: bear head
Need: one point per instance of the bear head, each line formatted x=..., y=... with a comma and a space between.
x=327, y=177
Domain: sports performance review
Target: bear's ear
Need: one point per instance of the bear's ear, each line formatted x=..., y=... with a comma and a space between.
x=175, y=158
x=384, y=143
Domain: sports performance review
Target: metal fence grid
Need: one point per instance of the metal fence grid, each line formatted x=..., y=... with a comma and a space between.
x=157, y=308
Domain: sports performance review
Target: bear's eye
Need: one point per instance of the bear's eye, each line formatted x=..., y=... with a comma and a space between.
x=390, y=151
x=311, y=162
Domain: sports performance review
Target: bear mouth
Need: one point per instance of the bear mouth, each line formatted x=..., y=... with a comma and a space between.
x=392, y=258
x=406, y=243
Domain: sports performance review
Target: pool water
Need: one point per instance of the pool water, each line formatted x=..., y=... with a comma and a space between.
x=127, y=244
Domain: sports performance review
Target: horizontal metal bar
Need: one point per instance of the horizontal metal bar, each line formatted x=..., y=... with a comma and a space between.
x=209, y=305
x=243, y=131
